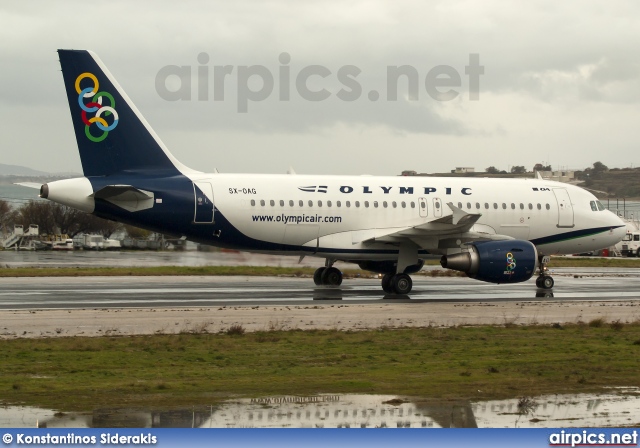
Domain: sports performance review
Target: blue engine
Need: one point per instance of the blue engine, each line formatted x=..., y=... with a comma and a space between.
x=509, y=261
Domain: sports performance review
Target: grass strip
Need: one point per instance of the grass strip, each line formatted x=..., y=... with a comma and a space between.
x=167, y=371
x=274, y=271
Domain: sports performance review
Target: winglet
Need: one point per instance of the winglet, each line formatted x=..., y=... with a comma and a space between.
x=458, y=213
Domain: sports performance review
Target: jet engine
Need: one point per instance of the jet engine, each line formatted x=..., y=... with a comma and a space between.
x=510, y=261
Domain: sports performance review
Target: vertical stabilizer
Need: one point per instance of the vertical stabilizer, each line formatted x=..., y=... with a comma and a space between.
x=112, y=135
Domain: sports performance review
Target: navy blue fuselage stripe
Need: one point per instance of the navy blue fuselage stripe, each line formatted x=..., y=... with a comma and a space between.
x=559, y=237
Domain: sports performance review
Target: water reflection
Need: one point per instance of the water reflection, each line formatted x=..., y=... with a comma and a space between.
x=618, y=408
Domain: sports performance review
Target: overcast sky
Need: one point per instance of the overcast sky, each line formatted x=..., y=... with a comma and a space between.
x=561, y=82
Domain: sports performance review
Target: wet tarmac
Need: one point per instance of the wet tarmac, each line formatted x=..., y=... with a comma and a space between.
x=611, y=408
x=201, y=291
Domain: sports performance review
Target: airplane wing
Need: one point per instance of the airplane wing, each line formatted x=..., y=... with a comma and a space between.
x=127, y=197
x=442, y=232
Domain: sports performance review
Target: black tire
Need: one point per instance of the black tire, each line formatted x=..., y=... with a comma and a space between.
x=332, y=277
x=547, y=282
x=402, y=284
x=317, y=276
x=638, y=253
x=539, y=281
x=386, y=283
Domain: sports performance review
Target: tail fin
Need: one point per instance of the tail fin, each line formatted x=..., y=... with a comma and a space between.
x=112, y=134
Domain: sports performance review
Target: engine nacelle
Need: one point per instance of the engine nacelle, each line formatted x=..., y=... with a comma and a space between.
x=388, y=266
x=509, y=261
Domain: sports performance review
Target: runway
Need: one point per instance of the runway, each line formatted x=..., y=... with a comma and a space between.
x=176, y=292
x=97, y=306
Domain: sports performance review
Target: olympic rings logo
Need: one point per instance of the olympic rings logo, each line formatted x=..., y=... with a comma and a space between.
x=511, y=262
x=95, y=105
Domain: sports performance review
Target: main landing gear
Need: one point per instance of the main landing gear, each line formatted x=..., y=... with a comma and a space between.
x=397, y=283
x=544, y=280
x=328, y=276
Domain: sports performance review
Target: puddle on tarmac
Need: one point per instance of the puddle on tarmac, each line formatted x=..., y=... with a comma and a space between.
x=619, y=407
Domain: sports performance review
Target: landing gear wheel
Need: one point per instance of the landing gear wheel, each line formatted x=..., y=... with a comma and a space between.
x=317, y=276
x=547, y=282
x=401, y=284
x=539, y=282
x=386, y=283
x=638, y=253
x=331, y=277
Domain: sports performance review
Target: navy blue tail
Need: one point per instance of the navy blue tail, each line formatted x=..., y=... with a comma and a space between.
x=112, y=135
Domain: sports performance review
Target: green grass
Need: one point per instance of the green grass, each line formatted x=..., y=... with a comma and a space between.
x=274, y=271
x=186, y=369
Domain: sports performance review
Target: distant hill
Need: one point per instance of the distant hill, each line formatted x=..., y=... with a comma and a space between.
x=15, y=170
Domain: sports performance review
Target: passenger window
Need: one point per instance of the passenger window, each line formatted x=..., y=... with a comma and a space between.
x=486, y=205
x=319, y=203
x=338, y=204
x=530, y=206
x=348, y=204
x=357, y=203
x=548, y=207
x=521, y=206
x=539, y=207
x=384, y=204
x=495, y=206
x=290, y=203
x=281, y=203
x=310, y=203
x=272, y=203
x=504, y=206
x=413, y=204
x=253, y=202
x=468, y=205
x=404, y=204
x=328, y=203
x=395, y=204
x=459, y=204
x=513, y=206
x=262, y=202
x=366, y=204
x=478, y=205
x=301, y=203
x=375, y=204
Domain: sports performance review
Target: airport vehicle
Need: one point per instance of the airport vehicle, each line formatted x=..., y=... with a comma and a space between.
x=630, y=244
x=495, y=230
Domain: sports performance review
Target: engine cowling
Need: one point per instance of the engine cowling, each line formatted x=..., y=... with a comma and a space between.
x=510, y=261
x=388, y=266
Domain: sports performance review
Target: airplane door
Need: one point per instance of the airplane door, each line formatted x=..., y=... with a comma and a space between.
x=423, y=207
x=203, y=195
x=437, y=207
x=565, y=211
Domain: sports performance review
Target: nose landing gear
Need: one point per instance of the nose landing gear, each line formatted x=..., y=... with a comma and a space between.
x=544, y=280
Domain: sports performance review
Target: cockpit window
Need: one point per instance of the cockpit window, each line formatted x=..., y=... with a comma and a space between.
x=600, y=206
x=594, y=207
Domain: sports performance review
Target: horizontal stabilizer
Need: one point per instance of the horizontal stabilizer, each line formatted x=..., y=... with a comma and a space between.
x=29, y=184
x=126, y=196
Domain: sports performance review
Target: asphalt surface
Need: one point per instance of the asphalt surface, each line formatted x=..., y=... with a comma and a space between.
x=173, y=292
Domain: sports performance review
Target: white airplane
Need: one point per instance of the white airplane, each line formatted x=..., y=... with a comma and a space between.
x=495, y=230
